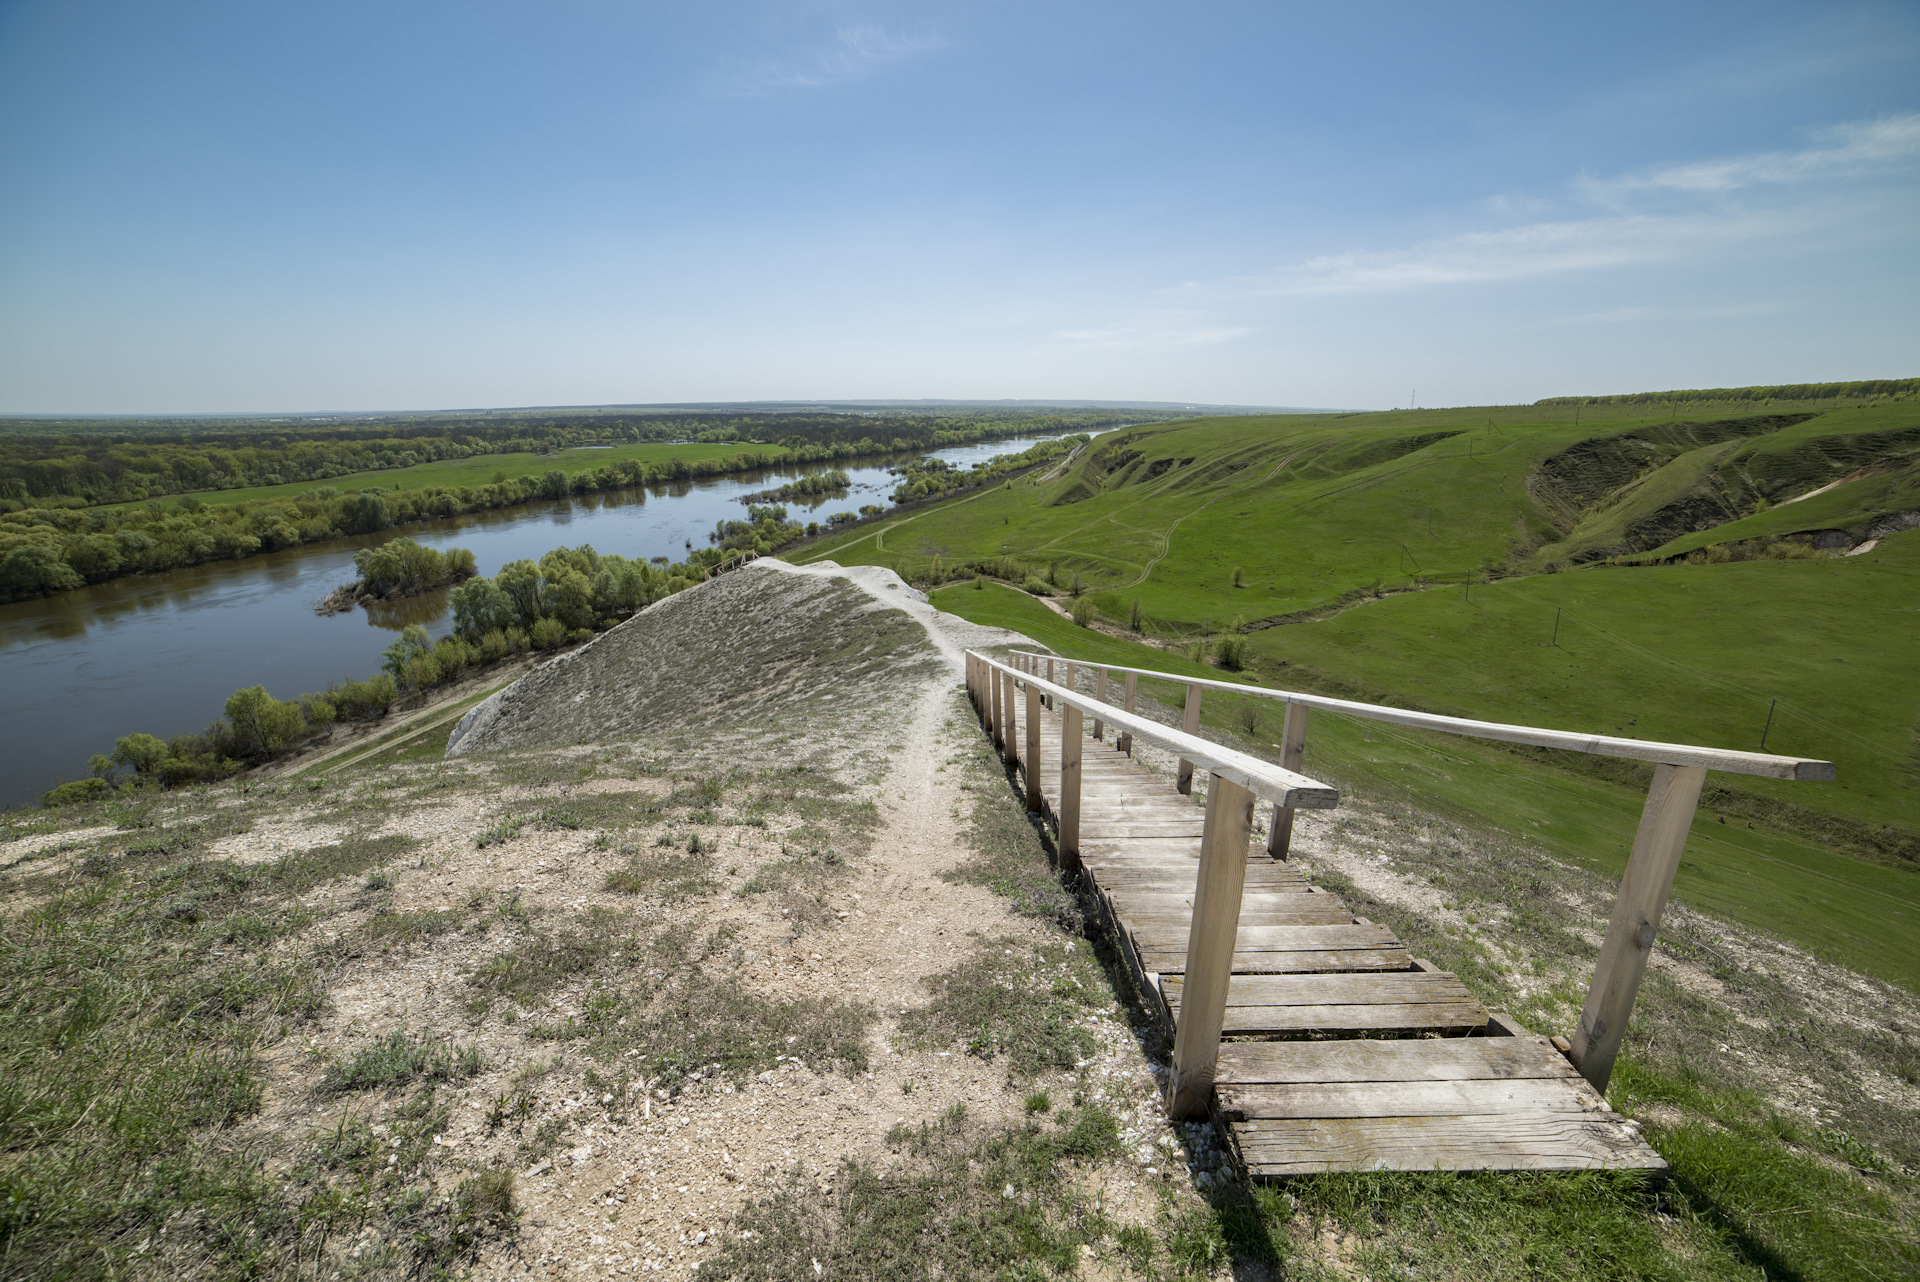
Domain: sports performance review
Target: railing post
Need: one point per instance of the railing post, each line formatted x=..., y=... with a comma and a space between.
x=1636, y=919
x=1192, y=726
x=1293, y=747
x=1210, y=943
x=1010, y=740
x=1124, y=741
x=995, y=714
x=1034, y=799
x=1073, y=677
x=1100, y=693
x=1071, y=722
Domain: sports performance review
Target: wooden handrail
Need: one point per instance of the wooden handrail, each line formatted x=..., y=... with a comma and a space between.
x=1763, y=764
x=1680, y=770
x=1286, y=788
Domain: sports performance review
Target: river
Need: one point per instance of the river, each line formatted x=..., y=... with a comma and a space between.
x=160, y=653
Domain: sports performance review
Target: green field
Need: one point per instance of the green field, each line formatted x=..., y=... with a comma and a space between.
x=482, y=469
x=1423, y=559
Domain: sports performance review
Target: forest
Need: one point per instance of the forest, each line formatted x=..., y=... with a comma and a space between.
x=48, y=549
x=51, y=463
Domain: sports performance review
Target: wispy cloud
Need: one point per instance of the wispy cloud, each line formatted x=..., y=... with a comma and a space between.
x=854, y=52
x=1844, y=150
x=1652, y=216
x=1633, y=315
x=1510, y=253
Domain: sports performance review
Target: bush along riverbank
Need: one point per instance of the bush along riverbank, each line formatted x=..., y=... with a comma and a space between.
x=398, y=568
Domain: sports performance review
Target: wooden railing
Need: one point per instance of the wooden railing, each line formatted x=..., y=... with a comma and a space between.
x=1680, y=770
x=1238, y=778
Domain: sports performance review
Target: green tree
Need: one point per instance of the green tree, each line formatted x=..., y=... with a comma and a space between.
x=411, y=644
x=480, y=606
x=262, y=724
x=141, y=753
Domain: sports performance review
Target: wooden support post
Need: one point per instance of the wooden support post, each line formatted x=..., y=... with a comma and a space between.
x=1293, y=747
x=1192, y=726
x=994, y=718
x=1034, y=800
x=1073, y=677
x=1210, y=943
x=1125, y=741
x=1009, y=739
x=1070, y=731
x=1636, y=919
x=1100, y=693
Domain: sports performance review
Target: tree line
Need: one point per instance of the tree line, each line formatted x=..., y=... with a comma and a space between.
x=53, y=463
x=48, y=550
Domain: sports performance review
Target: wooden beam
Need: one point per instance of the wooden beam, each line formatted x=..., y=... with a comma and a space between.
x=1657, y=845
x=1192, y=726
x=1070, y=789
x=1216, y=921
x=1293, y=748
x=1034, y=800
x=1125, y=741
x=1763, y=764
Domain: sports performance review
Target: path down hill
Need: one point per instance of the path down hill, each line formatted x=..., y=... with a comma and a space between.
x=767, y=644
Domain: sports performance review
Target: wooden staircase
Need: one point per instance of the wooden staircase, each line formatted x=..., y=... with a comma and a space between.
x=1333, y=1048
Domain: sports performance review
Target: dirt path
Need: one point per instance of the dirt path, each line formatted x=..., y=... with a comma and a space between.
x=654, y=1196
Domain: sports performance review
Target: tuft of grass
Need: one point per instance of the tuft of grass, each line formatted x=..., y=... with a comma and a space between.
x=958, y=1203
x=1017, y=1000
x=398, y=1060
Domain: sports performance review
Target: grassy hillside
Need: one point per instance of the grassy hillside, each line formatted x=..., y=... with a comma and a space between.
x=1423, y=558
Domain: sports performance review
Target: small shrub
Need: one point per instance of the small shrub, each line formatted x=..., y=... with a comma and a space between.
x=548, y=634
x=494, y=646
x=1239, y=577
x=1036, y=586
x=1083, y=611
x=70, y=794
x=1133, y=616
x=1231, y=652
x=1247, y=717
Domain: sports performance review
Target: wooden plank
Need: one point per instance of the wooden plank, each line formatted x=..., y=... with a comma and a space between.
x=1311, y=912
x=1169, y=961
x=1033, y=767
x=1209, y=968
x=1190, y=722
x=1321, y=990
x=1425, y=1059
x=1525, y=1142
x=1657, y=845
x=1070, y=790
x=1765, y=764
x=1293, y=750
x=1450, y=1018
x=1270, y=938
x=1409, y=1099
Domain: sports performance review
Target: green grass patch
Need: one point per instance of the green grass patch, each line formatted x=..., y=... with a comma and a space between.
x=1015, y=1000
x=957, y=1202
x=399, y=1060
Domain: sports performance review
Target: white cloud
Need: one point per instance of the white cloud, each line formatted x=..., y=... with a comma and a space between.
x=1629, y=315
x=1847, y=150
x=855, y=52
x=1510, y=253
x=1657, y=215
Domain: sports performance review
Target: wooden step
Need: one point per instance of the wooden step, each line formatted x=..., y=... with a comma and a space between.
x=1394, y=1001
x=1497, y=1141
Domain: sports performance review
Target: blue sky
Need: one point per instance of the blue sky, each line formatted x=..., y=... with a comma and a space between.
x=303, y=206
